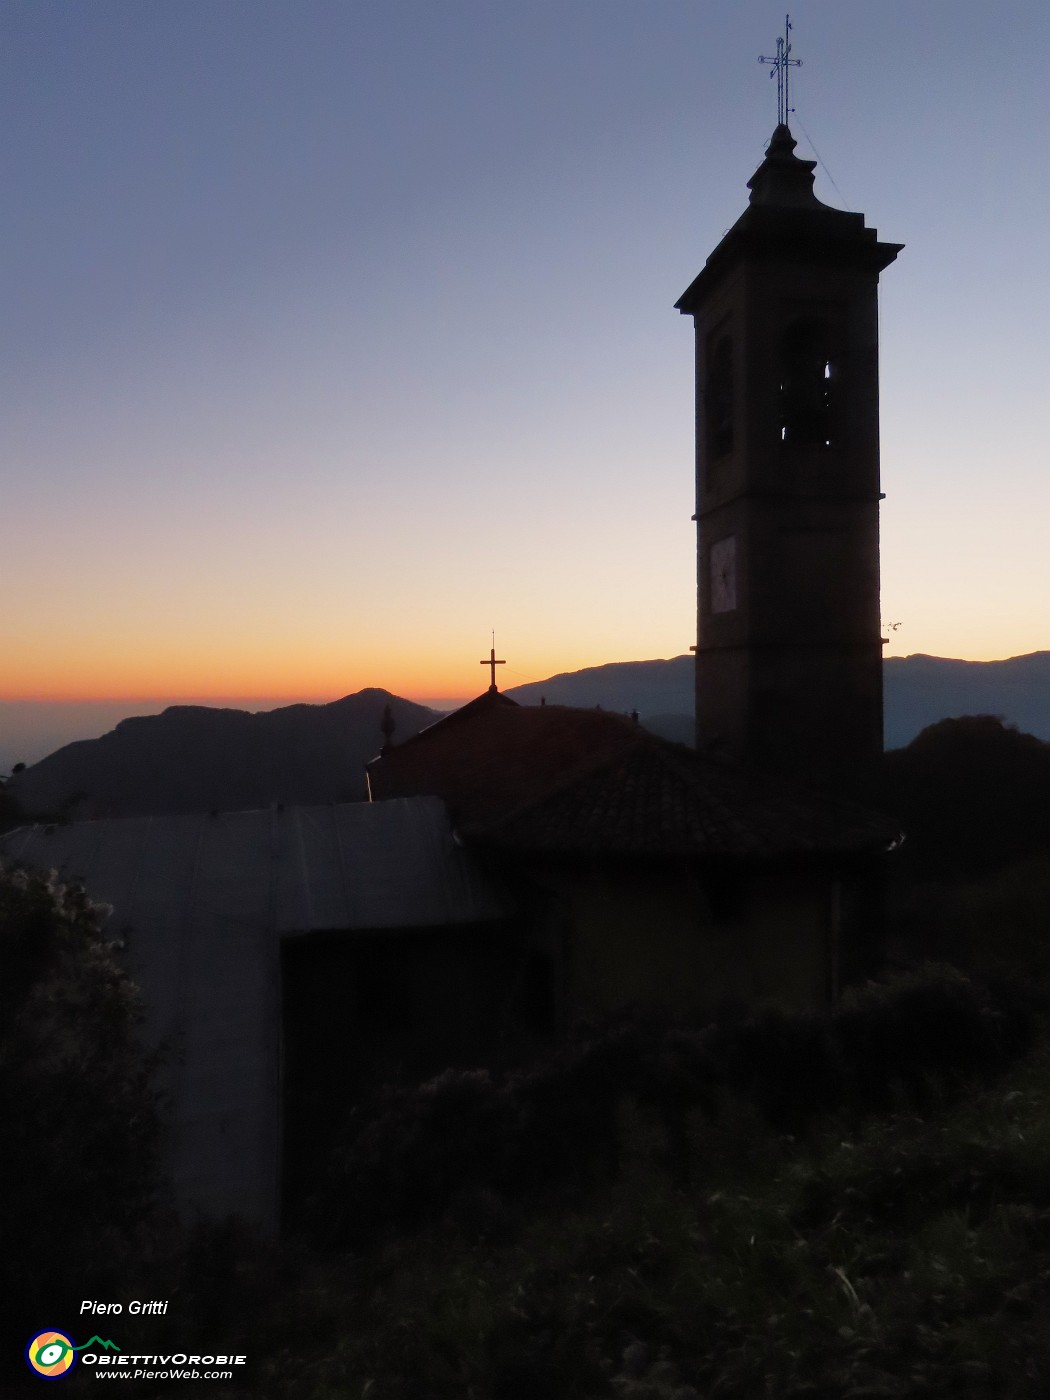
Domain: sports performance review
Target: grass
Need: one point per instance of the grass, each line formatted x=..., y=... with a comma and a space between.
x=911, y=1258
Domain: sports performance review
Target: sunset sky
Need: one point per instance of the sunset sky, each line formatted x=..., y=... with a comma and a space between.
x=340, y=332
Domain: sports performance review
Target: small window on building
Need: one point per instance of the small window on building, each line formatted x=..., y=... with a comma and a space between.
x=718, y=394
x=810, y=372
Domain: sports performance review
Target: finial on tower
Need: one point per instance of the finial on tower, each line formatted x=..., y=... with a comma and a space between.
x=781, y=65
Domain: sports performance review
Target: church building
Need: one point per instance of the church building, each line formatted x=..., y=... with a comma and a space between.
x=744, y=868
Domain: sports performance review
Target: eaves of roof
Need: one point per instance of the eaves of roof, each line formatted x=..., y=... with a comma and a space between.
x=659, y=801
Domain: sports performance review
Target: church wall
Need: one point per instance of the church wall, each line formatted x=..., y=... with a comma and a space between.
x=669, y=940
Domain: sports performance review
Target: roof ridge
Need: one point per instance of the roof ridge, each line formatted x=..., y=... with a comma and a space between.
x=486, y=700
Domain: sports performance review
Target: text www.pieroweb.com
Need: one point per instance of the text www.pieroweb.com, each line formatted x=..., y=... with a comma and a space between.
x=174, y=1373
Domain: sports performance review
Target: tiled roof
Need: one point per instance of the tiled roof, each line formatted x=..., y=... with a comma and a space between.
x=562, y=781
x=658, y=799
x=493, y=754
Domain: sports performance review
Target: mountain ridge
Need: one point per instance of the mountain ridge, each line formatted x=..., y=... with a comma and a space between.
x=192, y=758
x=918, y=691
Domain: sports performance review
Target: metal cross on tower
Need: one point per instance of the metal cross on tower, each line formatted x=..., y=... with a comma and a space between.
x=782, y=64
x=492, y=663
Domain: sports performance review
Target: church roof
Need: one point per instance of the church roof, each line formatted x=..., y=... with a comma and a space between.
x=661, y=800
x=494, y=754
x=556, y=780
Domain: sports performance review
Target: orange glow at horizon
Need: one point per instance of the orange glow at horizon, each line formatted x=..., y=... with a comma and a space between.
x=239, y=680
x=243, y=677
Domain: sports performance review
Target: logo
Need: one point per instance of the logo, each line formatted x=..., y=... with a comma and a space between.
x=52, y=1354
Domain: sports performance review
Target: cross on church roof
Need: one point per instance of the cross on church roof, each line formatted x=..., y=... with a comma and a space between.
x=492, y=663
x=782, y=63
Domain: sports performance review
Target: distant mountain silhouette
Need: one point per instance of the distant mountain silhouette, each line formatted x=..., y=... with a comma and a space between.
x=192, y=758
x=678, y=728
x=919, y=691
x=653, y=688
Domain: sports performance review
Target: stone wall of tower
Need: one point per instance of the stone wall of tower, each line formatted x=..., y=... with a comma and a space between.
x=789, y=654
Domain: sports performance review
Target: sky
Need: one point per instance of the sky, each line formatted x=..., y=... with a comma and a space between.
x=339, y=334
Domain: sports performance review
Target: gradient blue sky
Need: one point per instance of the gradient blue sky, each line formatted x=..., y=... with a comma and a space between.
x=337, y=334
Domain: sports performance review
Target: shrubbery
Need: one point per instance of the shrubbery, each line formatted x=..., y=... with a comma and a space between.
x=553, y=1130
x=908, y=1257
x=79, y=1173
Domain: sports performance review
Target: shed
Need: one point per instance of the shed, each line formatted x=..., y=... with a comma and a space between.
x=234, y=921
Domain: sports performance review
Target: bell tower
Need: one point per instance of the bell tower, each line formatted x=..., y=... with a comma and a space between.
x=789, y=654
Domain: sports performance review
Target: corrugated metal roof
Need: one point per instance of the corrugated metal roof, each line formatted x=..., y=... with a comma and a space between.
x=204, y=901
x=293, y=870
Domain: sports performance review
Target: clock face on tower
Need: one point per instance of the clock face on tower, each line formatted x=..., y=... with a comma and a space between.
x=723, y=575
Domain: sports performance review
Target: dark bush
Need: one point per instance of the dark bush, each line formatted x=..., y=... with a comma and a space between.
x=554, y=1129
x=79, y=1174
